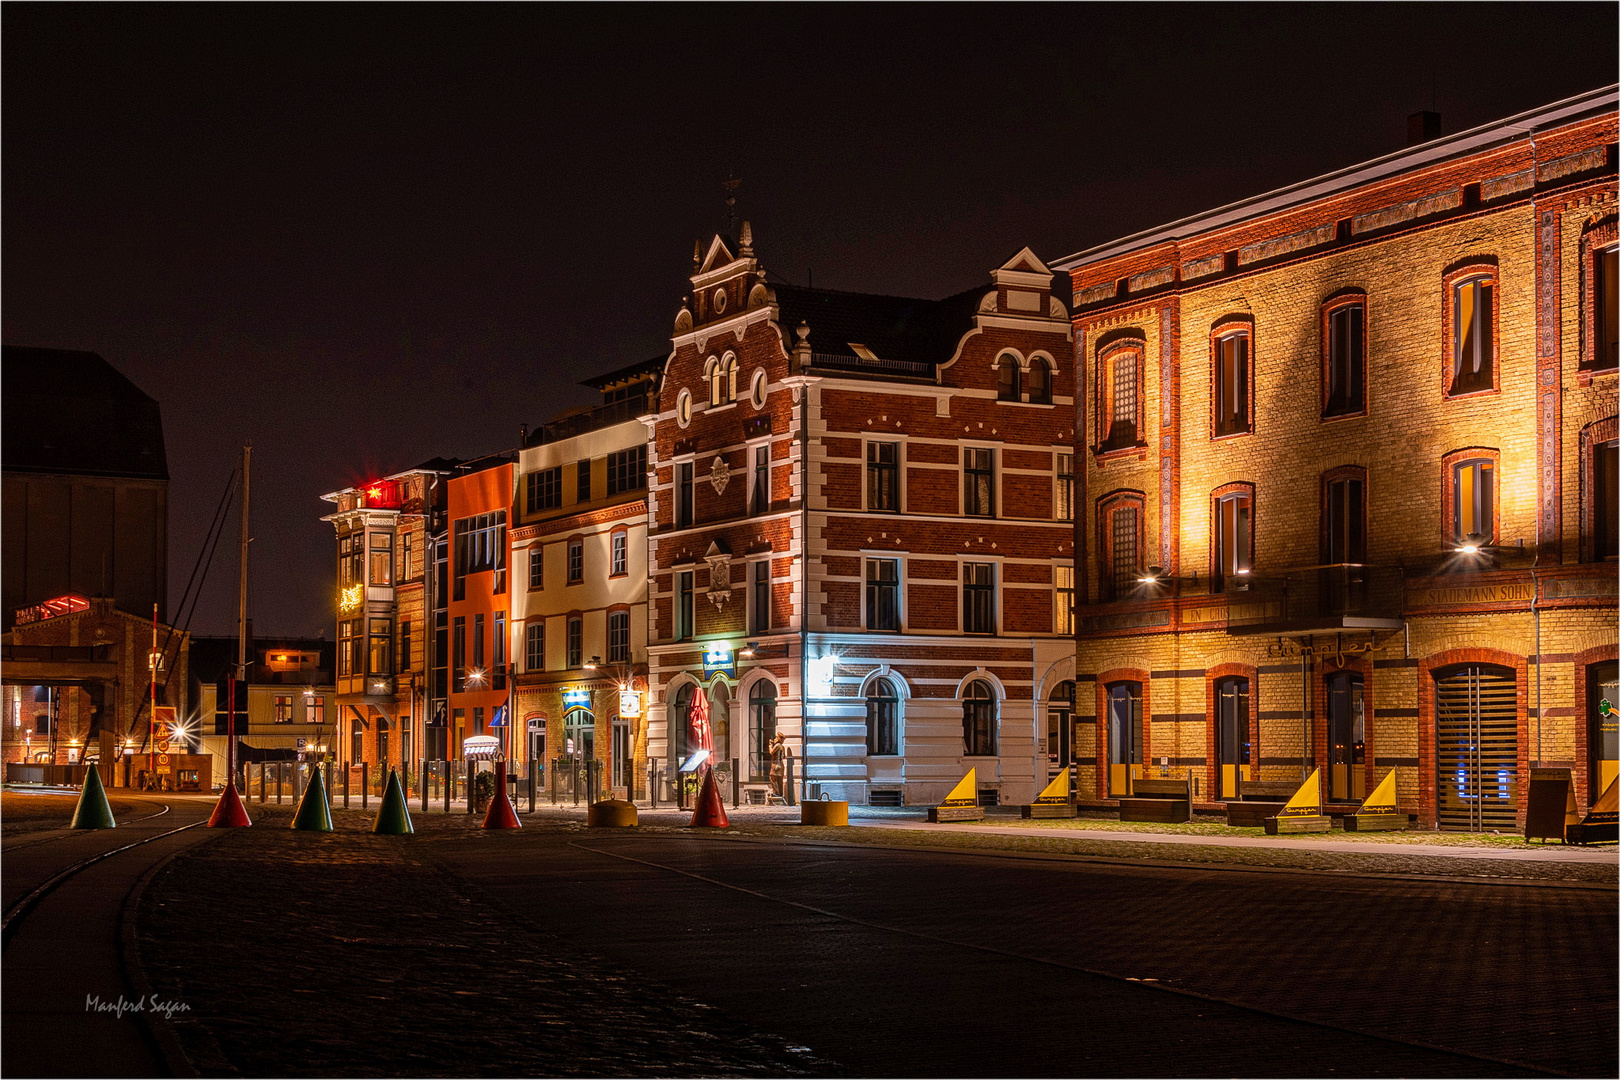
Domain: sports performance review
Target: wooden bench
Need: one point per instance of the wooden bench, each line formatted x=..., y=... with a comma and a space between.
x=1258, y=800
x=1164, y=800
x=1048, y=810
x=1375, y=822
x=955, y=813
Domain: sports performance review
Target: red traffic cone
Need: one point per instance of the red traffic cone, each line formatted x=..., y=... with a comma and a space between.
x=709, y=812
x=229, y=813
x=501, y=815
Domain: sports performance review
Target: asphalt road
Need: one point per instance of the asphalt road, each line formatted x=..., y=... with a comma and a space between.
x=911, y=963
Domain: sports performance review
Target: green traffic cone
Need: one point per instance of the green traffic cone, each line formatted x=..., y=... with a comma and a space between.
x=314, y=812
x=93, y=811
x=393, y=817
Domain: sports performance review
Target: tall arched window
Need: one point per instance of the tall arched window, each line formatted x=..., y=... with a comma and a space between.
x=882, y=718
x=1007, y=378
x=761, y=728
x=1040, y=381
x=1119, y=400
x=978, y=719
x=715, y=372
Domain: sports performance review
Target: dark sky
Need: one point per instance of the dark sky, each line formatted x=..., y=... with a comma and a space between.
x=363, y=236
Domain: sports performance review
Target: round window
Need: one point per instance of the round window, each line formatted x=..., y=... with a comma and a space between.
x=683, y=408
x=756, y=392
x=719, y=301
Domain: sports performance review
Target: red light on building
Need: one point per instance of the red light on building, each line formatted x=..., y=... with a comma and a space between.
x=50, y=609
x=382, y=495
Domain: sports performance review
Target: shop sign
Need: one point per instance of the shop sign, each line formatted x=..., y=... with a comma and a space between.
x=576, y=695
x=719, y=660
x=629, y=703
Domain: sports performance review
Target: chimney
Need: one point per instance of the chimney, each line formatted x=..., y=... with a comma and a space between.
x=1422, y=127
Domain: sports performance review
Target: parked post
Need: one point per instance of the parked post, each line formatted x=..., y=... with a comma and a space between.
x=736, y=784
x=444, y=782
x=422, y=782
x=787, y=781
x=652, y=784
x=365, y=784
x=472, y=778
x=345, y=785
x=261, y=783
x=531, y=787
x=328, y=779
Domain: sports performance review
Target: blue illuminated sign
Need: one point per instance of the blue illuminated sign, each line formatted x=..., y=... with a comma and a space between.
x=576, y=695
x=719, y=660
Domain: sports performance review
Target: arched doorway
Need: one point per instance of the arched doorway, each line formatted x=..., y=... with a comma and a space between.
x=536, y=728
x=1060, y=729
x=761, y=728
x=579, y=731
x=1476, y=747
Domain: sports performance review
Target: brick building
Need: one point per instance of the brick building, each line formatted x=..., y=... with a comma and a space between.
x=285, y=711
x=579, y=592
x=479, y=498
x=391, y=681
x=859, y=533
x=1350, y=478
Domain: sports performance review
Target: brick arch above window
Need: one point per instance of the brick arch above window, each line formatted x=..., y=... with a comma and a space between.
x=1231, y=376
x=1232, y=505
x=1463, y=359
x=1213, y=677
x=1599, y=524
x=1343, y=368
x=1328, y=492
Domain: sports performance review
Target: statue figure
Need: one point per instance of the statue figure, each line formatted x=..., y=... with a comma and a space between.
x=778, y=750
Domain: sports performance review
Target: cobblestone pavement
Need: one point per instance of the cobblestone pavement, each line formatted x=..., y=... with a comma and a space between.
x=669, y=952
x=1514, y=974
x=345, y=954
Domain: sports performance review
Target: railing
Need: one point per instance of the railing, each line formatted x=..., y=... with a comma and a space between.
x=1342, y=595
x=616, y=412
x=913, y=368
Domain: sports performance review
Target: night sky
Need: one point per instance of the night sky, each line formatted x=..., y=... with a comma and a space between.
x=361, y=237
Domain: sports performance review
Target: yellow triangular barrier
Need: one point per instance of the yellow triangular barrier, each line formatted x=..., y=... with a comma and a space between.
x=1056, y=792
x=1382, y=800
x=1307, y=801
x=1609, y=801
x=966, y=793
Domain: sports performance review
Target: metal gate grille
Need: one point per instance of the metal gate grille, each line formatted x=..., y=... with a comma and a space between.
x=1477, y=748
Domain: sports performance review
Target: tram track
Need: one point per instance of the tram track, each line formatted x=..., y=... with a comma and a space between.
x=26, y=844
x=18, y=912
x=1152, y=985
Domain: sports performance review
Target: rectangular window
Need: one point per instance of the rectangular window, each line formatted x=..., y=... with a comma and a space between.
x=627, y=470
x=283, y=706
x=405, y=557
x=979, y=598
x=618, y=625
x=1063, y=501
x=683, y=605
x=1606, y=309
x=1124, y=555
x=478, y=641
x=1346, y=532
x=382, y=647
x=315, y=710
x=619, y=546
x=1232, y=384
x=759, y=601
x=1063, y=599
x=441, y=654
x=576, y=561
x=1473, y=508
x=883, y=594
x=458, y=653
x=478, y=719
x=1606, y=499
x=405, y=657
x=480, y=546
x=351, y=554
x=537, y=568
x=759, y=490
x=382, y=558
x=543, y=489
x=349, y=647
x=1346, y=360
x=1234, y=530
x=583, y=491
x=683, y=495
x=497, y=650
x=535, y=647
x=576, y=642
x=1473, y=345
x=883, y=476
x=979, y=481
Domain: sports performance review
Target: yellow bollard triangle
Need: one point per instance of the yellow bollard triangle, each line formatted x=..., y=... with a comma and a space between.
x=1057, y=791
x=1382, y=800
x=966, y=793
x=1307, y=801
x=1609, y=801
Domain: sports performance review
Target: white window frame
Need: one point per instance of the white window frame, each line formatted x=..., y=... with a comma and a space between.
x=898, y=557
